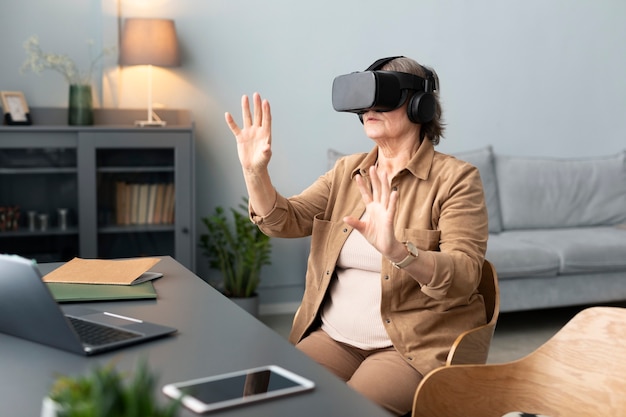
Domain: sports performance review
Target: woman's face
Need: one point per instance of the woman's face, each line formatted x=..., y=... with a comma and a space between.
x=393, y=124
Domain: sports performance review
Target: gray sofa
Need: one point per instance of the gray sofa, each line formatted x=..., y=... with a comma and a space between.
x=557, y=228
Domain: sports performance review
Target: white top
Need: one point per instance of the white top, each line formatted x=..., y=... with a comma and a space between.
x=352, y=312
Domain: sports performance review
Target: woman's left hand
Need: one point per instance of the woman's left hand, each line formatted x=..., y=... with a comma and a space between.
x=380, y=209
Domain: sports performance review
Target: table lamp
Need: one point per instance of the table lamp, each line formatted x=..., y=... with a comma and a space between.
x=149, y=42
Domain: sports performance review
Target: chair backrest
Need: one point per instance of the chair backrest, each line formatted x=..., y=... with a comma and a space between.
x=580, y=371
x=473, y=345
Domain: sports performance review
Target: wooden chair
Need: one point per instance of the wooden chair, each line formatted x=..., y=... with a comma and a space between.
x=579, y=372
x=472, y=346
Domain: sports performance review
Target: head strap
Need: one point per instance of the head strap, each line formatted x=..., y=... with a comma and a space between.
x=381, y=62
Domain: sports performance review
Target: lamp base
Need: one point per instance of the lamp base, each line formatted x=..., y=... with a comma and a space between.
x=150, y=123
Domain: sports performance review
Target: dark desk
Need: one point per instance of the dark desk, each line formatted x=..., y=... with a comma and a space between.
x=214, y=336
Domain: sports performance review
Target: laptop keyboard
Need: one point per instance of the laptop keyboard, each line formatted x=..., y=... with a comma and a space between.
x=94, y=334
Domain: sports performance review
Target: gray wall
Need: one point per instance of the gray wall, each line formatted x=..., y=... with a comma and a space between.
x=530, y=77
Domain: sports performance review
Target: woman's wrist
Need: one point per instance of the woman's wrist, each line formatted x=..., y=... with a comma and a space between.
x=261, y=192
x=398, y=253
x=410, y=254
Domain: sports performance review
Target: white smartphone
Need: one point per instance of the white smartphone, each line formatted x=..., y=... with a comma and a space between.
x=232, y=389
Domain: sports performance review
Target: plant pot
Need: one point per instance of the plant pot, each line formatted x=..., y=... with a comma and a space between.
x=80, y=110
x=49, y=408
x=248, y=304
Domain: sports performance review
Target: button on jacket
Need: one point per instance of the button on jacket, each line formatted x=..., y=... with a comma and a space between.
x=441, y=208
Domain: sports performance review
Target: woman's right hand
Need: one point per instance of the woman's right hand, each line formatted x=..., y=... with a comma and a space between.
x=254, y=141
x=254, y=147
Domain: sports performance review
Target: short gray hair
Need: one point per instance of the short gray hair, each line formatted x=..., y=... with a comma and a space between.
x=432, y=130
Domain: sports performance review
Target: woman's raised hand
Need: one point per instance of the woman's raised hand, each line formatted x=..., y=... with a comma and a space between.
x=380, y=209
x=254, y=140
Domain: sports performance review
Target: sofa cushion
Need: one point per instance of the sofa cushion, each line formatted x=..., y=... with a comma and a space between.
x=537, y=193
x=483, y=160
x=581, y=250
x=513, y=258
x=331, y=158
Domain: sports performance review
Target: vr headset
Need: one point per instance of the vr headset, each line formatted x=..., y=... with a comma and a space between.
x=383, y=91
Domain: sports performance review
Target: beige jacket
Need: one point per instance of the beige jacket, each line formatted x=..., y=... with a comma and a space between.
x=441, y=208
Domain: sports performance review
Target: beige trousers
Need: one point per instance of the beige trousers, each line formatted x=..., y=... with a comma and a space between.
x=382, y=375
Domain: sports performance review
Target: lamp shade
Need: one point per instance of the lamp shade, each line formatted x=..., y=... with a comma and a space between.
x=149, y=42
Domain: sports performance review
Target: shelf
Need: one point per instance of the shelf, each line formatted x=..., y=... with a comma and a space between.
x=37, y=171
x=39, y=233
x=136, y=169
x=33, y=159
x=137, y=228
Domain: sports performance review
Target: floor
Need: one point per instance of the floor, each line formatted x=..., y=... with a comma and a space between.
x=517, y=334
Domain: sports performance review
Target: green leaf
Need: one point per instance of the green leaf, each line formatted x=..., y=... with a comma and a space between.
x=238, y=249
x=105, y=392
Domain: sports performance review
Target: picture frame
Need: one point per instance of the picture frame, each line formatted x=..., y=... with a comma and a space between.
x=15, y=108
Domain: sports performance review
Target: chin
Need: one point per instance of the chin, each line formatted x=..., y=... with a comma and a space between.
x=372, y=130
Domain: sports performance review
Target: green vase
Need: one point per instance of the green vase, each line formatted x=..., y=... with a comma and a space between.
x=81, y=105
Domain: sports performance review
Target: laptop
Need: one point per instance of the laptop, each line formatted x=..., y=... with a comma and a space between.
x=29, y=311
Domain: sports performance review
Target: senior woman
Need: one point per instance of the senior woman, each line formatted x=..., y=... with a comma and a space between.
x=398, y=235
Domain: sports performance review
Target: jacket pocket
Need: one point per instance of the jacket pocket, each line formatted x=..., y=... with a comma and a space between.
x=319, y=236
x=411, y=295
x=321, y=262
x=422, y=238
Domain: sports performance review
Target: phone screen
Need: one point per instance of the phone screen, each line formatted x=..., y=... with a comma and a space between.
x=237, y=388
x=240, y=386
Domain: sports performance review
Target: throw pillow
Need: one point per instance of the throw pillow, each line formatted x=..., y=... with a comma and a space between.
x=483, y=159
x=537, y=193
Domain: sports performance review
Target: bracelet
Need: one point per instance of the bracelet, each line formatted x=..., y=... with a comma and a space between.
x=412, y=255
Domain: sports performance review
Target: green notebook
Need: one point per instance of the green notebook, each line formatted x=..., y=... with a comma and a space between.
x=63, y=292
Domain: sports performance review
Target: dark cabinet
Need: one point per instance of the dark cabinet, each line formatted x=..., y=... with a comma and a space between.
x=110, y=190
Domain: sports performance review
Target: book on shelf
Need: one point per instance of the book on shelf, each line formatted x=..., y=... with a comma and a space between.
x=120, y=199
x=170, y=196
x=134, y=203
x=158, y=203
x=152, y=191
x=144, y=203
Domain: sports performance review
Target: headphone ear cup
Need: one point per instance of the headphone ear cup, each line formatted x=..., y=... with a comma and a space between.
x=421, y=108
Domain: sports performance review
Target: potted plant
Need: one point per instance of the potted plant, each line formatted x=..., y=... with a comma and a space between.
x=238, y=249
x=104, y=391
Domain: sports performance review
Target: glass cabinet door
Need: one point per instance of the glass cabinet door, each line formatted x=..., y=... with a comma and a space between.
x=135, y=202
x=39, y=197
x=139, y=187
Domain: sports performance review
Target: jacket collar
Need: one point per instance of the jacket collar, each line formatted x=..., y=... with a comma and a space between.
x=419, y=165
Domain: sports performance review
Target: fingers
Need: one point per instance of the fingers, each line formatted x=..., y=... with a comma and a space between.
x=393, y=204
x=231, y=124
x=380, y=187
x=366, y=193
x=376, y=184
x=380, y=200
x=260, y=116
x=266, y=121
x=258, y=111
x=245, y=111
x=355, y=223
